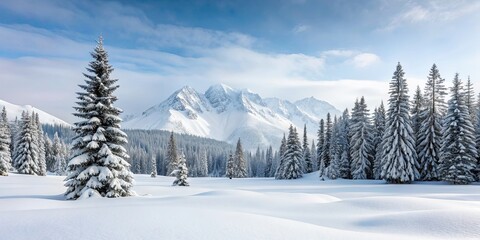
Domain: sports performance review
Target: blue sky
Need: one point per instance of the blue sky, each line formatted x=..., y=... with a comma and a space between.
x=333, y=50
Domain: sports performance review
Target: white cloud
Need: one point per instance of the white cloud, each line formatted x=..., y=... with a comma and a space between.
x=432, y=11
x=300, y=28
x=363, y=60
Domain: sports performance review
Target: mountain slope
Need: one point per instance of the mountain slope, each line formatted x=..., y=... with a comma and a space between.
x=15, y=111
x=226, y=114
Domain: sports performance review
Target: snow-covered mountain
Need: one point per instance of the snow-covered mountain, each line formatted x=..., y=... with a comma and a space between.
x=226, y=114
x=15, y=111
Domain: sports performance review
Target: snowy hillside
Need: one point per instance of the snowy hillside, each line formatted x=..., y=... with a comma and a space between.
x=15, y=111
x=33, y=208
x=226, y=114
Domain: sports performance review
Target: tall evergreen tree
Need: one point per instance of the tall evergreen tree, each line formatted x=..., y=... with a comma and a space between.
x=59, y=156
x=415, y=114
x=344, y=145
x=5, y=138
x=41, y=145
x=399, y=154
x=240, y=165
x=230, y=162
x=153, y=173
x=326, y=157
x=378, y=131
x=307, y=159
x=470, y=100
x=458, y=149
x=321, y=142
x=361, y=148
x=269, y=162
x=281, y=165
x=98, y=165
x=26, y=159
x=333, y=170
x=430, y=132
x=181, y=172
x=203, y=165
x=293, y=156
x=313, y=155
x=172, y=156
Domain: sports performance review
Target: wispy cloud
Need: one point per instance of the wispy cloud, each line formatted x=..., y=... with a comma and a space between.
x=431, y=11
x=300, y=28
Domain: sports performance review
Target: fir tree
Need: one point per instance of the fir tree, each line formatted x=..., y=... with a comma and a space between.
x=333, y=170
x=5, y=138
x=98, y=165
x=415, y=113
x=458, y=149
x=378, y=131
x=41, y=145
x=240, y=165
x=58, y=156
x=269, y=162
x=430, y=132
x=230, y=163
x=293, y=156
x=361, y=148
x=49, y=158
x=326, y=157
x=470, y=100
x=153, y=173
x=321, y=141
x=313, y=156
x=281, y=165
x=399, y=155
x=172, y=156
x=181, y=172
x=306, y=152
x=344, y=145
x=26, y=159
x=203, y=165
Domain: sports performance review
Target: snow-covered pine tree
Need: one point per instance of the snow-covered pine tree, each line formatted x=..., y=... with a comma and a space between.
x=41, y=145
x=333, y=170
x=181, y=172
x=416, y=109
x=49, y=158
x=378, y=131
x=98, y=165
x=26, y=160
x=230, y=165
x=172, y=154
x=361, y=148
x=153, y=172
x=269, y=162
x=240, y=165
x=459, y=152
x=399, y=155
x=470, y=100
x=313, y=156
x=326, y=157
x=58, y=156
x=321, y=141
x=477, y=140
x=430, y=132
x=5, y=138
x=293, y=156
x=344, y=145
x=203, y=165
x=307, y=159
x=280, y=168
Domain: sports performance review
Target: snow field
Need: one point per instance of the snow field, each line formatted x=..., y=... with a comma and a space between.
x=260, y=208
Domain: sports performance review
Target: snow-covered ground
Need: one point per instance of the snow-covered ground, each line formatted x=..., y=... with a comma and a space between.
x=218, y=208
